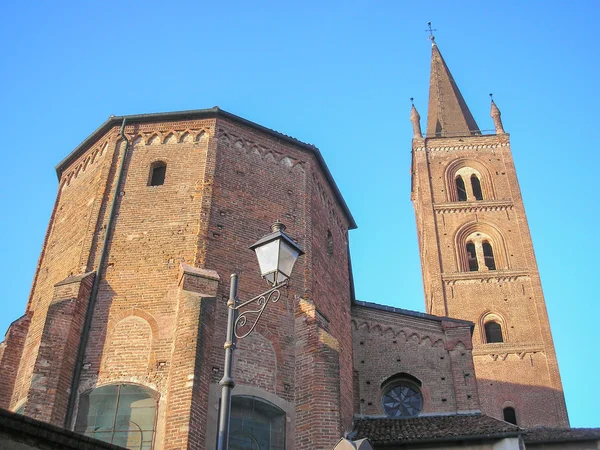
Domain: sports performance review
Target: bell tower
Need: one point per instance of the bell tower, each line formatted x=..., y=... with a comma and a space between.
x=477, y=255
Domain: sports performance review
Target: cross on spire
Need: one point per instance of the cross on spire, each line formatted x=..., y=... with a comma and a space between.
x=431, y=30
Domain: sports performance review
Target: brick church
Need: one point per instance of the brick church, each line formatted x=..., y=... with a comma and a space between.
x=122, y=338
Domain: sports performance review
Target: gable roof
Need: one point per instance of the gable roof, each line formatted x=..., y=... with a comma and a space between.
x=214, y=112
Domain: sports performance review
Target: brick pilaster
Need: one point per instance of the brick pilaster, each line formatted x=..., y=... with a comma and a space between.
x=459, y=346
x=53, y=370
x=318, y=403
x=189, y=378
x=10, y=355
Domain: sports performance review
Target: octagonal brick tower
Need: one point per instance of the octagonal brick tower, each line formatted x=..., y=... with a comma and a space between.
x=477, y=255
x=197, y=188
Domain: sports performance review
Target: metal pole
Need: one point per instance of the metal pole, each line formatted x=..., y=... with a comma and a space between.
x=227, y=382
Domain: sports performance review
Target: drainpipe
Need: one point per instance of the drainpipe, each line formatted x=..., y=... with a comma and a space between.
x=85, y=334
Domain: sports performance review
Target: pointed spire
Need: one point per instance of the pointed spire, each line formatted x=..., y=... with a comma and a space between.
x=448, y=114
x=415, y=118
x=495, y=113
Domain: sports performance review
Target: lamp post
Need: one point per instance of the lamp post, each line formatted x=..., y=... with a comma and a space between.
x=276, y=253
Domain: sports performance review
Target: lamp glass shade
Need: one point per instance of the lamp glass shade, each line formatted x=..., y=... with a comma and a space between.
x=276, y=259
x=267, y=255
x=287, y=258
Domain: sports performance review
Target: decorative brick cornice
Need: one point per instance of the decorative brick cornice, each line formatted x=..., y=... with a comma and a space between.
x=473, y=207
x=92, y=156
x=171, y=135
x=500, y=351
x=489, y=276
x=456, y=148
x=267, y=154
x=404, y=333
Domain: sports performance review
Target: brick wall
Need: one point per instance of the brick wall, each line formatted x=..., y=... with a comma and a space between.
x=435, y=351
x=259, y=179
x=226, y=183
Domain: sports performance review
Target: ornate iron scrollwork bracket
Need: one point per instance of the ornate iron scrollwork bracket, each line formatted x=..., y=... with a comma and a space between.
x=261, y=301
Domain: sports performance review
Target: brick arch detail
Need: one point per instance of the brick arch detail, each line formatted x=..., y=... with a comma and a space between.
x=83, y=388
x=115, y=319
x=254, y=369
x=497, y=241
x=274, y=340
x=127, y=353
x=487, y=185
x=93, y=383
x=425, y=340
x=493, y=316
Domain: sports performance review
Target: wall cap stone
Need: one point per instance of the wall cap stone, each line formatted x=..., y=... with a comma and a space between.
x=74, y=279
x=186, y=269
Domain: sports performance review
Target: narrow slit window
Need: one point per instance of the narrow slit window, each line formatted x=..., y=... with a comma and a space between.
x=510, y=415
x=460, y=188
x=488, y=255
x=157, y=174
x=493, y=333
x=472, y=257
x=476, y=185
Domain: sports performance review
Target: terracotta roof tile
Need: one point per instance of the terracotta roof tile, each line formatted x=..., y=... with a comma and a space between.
x=433, y=428
x=543, y=434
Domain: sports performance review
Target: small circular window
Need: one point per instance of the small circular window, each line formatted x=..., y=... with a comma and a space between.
x=402, y=400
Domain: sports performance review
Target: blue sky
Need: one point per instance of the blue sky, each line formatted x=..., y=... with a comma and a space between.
x=338, y=75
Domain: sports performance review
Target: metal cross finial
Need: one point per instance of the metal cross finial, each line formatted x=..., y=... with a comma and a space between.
x=431, y=30
x=412, y=101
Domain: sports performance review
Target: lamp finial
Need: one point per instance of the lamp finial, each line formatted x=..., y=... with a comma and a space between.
x=278, y=226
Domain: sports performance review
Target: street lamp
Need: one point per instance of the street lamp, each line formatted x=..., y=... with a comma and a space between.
x=276, y=253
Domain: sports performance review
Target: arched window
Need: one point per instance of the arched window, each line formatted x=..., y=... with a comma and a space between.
x=158, y=170
x=472, y=257
x=510, y=415
x=488, y=255
x=123, y=414
x=460, y=189
x=468, y=181
x=493, y=332
x=256, y=425
x=329, y=243
x=402, y=396
x=476, y=186
x=477, y=253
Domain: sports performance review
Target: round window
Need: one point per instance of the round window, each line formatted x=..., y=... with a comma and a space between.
x=402, y=400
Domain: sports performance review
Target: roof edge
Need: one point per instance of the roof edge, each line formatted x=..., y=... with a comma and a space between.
x=529, y=435
x=211, y=112
x=408, y=312
x=474, y=437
